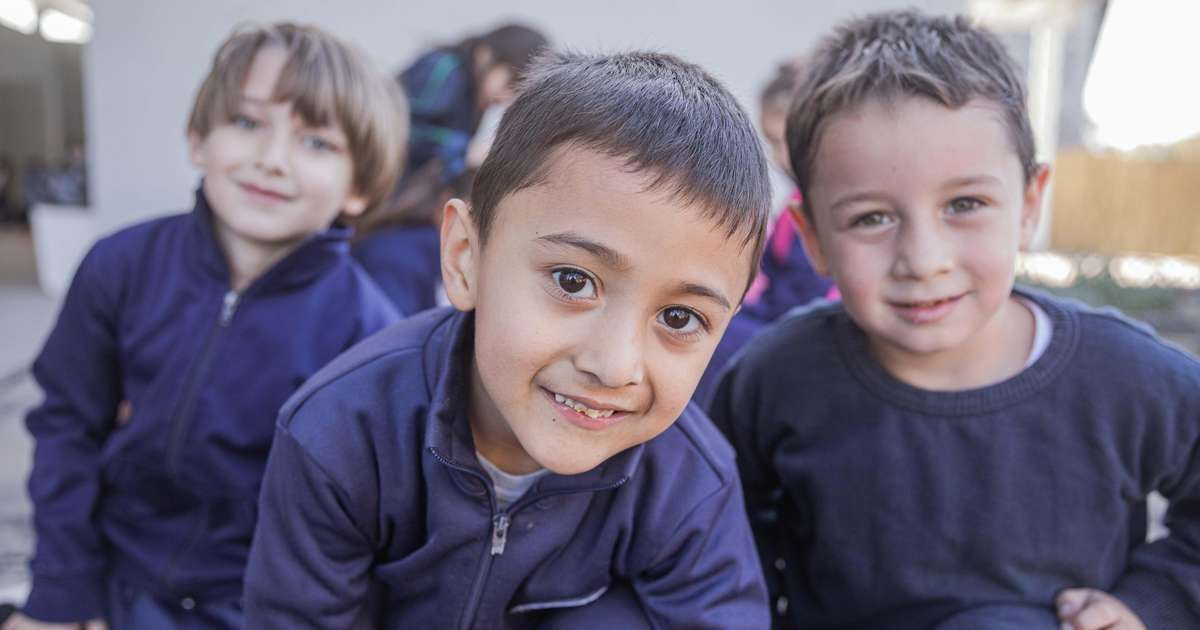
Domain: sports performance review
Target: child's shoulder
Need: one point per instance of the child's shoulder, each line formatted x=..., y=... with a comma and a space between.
x=1110, y=341
x=694, y=448
x=401, y=360
x=801, y=337
x=132, y=241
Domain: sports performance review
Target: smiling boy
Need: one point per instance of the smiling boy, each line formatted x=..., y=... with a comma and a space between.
x=181, y=336
x=945, y=450
x=530, y=458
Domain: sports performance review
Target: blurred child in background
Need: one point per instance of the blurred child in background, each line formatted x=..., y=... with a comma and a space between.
x=181, y=337
x=448, y=90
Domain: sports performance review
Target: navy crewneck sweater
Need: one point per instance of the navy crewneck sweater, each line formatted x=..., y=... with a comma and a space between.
x=880, y=505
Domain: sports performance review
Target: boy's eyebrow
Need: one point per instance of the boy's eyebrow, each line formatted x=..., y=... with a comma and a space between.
x=866, y=195
x=968, y=180
x=692, y=288
x=610, y=256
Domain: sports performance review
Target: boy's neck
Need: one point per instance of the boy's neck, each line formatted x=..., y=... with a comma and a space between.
x=248, y=261
x=993, y=354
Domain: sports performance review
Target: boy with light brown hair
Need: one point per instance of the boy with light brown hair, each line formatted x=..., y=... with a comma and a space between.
x=180, y=338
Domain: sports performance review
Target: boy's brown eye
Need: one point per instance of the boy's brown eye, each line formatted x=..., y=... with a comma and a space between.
x=572, y=281
x=677, y=318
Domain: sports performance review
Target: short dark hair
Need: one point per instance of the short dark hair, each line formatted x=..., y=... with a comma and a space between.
x=904, y=53
x=659, y=114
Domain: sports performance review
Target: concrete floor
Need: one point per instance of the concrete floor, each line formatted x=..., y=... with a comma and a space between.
x=26, y=316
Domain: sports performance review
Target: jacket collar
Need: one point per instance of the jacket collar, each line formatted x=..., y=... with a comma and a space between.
x=299, y=267
x=447, y=358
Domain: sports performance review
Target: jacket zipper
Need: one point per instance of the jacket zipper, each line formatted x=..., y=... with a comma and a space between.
x=499, y=533
x=187, y=402
x=229, y=306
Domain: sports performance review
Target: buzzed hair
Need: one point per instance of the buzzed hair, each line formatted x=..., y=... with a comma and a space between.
x=904, y=53
x=327, y=81
x=658, y=114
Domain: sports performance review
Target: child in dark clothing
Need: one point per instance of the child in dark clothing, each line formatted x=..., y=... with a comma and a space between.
x=181, y=337
x=448, y=90
x=530, y=458
x=943, y=450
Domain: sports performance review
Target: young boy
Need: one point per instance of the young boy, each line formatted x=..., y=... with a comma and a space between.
x=530, y=458
x=943, y=450
x=181, y=337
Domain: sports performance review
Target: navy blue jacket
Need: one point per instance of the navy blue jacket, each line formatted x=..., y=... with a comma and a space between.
x=162, y=494
x=376, y=513
x=406, y=263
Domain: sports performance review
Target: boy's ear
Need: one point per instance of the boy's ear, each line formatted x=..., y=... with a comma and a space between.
x=196, y=150
x=1031, y=206
x=808, y=235
x=355, y=205
x=460, y=254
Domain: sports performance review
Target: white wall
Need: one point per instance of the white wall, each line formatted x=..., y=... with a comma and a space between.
x=142, y=68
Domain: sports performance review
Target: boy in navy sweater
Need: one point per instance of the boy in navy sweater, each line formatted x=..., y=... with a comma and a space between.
x=941, y=450
x=181, y=337
x=530, y=457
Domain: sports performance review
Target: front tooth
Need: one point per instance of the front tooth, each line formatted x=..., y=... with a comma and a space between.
x=592, y=413
x=580, y=407
x=559, y=397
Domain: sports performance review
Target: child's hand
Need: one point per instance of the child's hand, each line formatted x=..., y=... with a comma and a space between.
x=1090, y=609
x=21, y=622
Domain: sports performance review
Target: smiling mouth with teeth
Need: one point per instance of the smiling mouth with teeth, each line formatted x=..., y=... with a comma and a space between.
x=581, y=408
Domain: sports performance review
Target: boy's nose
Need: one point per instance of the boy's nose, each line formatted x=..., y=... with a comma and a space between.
x=272, y=152
x=613, y=352
x=921, y=251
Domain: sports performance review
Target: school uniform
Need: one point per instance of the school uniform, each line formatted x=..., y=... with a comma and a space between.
x=376, y=512
x=162, y=386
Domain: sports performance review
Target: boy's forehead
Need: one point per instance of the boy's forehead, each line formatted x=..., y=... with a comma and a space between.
x=911, y=140
x=598, y=200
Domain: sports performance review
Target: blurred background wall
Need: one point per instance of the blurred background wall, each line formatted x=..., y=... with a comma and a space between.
x=145, y=61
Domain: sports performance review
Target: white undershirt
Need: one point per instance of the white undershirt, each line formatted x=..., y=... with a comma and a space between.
x=508, y=487
x=1043, y=329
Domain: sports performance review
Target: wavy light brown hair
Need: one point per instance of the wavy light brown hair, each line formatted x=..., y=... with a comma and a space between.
x=327, y=81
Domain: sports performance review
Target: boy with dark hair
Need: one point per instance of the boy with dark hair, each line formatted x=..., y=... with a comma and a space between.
x=181, y=337
x=530, y=458
x=944, y=450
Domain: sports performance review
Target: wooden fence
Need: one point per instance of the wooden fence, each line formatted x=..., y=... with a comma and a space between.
x=1113, y=204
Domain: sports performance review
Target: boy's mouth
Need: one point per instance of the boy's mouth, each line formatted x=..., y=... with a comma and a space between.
x=590, y=410
x=925, y=311
x=264, y=193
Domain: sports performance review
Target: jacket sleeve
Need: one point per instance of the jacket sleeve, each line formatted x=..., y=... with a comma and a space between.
x=78, y=370
x=1162, y=581
x=707, y=573
x=309, y=562
x=733, y=410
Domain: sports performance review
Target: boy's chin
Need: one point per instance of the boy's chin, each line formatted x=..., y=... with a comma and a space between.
x=562, y=462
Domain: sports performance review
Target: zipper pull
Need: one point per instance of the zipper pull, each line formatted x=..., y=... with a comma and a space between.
x=499, y=533
x=229, y=307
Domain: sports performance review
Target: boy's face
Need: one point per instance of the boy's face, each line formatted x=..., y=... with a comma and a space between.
x=271, y=180
x=590, y=289
x=918, y=214
x=773, y=121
